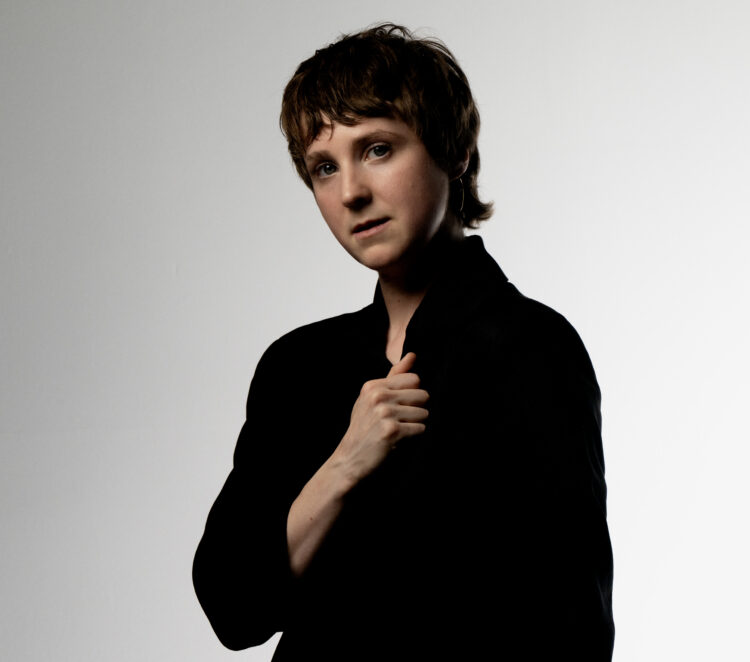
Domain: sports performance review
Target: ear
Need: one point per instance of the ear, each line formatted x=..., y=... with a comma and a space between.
x=460, y=168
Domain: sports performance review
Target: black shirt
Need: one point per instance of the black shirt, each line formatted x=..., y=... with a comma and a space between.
x=486, y=535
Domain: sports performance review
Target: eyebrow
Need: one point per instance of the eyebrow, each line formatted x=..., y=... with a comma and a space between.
x=371, y=136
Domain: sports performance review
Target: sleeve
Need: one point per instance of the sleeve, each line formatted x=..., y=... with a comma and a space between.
x=547, y=544
x=564, y=541
x=241, y=571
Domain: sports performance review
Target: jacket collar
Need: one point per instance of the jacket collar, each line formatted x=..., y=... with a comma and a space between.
x=467, y=277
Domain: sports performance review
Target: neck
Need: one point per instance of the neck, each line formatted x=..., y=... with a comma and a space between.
x=404, y=290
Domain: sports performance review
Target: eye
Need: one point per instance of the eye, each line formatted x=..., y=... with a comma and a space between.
x=378, y=151
x=324, y=170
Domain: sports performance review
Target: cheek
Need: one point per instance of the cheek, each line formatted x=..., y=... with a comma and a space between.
x=430, y=195
x=426, y=193
x=324, y=206
x=331, y=212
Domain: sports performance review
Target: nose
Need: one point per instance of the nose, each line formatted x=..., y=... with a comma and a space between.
x=355, y=191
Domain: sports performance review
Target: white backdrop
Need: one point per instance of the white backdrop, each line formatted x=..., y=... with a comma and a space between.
x=155, y=240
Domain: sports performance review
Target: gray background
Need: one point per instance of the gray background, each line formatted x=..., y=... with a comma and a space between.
x=155, y=240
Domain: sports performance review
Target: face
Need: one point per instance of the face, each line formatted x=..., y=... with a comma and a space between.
x=379, y=191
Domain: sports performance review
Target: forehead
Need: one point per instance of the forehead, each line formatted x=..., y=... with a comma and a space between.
x=332, y=133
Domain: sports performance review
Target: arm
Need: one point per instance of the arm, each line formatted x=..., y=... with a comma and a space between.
x=314, y=512
x=566, y=548
x=386, y=411
x=262, y=532
x=240, y=571
x=532, y=511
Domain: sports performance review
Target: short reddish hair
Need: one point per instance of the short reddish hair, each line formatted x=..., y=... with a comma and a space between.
x=385, y=71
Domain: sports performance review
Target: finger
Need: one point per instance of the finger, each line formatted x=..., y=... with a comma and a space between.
x=404, y=365
x=402, y=380
x=412, y=397
x=410, y=430
x=408, y=414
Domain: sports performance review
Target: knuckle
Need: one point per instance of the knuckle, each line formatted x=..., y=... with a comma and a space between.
x=379, y=396
x=390, y=430
x=392, y=382
x=383, y=411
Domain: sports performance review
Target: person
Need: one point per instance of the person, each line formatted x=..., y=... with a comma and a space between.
x=422, y=479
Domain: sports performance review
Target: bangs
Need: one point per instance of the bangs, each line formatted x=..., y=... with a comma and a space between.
x=345, y=83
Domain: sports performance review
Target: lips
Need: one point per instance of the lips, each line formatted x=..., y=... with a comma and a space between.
x=367, y=225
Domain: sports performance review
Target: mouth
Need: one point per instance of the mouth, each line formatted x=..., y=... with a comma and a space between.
x=369, y=225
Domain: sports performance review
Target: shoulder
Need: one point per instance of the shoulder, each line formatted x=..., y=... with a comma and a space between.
x=514, y=318
x=535, y=338
x=316, y=339
x=302, y=355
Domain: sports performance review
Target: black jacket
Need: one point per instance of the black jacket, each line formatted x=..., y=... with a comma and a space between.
x=486, y=535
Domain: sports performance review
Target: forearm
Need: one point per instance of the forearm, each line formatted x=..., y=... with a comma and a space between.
x=386, y=411
x=314, y=512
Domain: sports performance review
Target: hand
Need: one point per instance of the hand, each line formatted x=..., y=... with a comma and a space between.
x=386, y=411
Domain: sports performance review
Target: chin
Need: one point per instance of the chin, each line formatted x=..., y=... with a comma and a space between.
x=378, y=258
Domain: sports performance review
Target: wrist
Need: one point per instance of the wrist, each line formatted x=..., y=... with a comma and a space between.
x=341, y=474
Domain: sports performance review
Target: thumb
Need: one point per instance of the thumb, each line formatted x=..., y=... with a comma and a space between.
x=404, y=365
